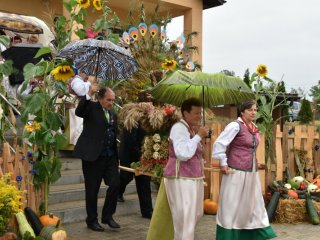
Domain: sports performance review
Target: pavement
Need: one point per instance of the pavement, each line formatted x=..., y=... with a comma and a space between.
x=134, y=227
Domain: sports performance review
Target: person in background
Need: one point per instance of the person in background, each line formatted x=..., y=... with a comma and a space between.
x=182, y=178
x=129, y=152
x=32, y=39
x=16, y=40
x=241, y=213
x=97, y=147
x=79, y=86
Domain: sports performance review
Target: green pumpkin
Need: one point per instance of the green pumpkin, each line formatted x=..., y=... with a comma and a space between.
x=294, y=183
x=53, y=232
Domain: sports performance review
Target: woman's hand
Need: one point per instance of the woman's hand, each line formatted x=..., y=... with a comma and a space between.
x=226, y=170
x=203, y=131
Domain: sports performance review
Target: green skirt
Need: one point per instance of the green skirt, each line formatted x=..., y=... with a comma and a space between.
x=245, y=234
x=161, y=225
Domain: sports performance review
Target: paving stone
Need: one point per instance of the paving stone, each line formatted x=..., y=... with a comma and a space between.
x=134, y=227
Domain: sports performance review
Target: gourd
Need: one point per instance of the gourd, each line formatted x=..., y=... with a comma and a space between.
x=272, y=206
x=24, y=226
x=293, y=194
x=210, y=206
x=33, y=220
x=49, y=219
x=53, y=232
x=312, y=212
x=316, y=181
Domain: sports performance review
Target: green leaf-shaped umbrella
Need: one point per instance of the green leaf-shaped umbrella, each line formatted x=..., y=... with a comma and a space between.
x=211, y=89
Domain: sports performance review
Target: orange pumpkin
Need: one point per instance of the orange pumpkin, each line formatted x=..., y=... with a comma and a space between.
x=49, y=219
x=293, y=194
x=210, y=206
x=316, y=181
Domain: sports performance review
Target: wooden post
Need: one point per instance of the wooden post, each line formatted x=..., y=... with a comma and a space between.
x=261, y=156
x=215, y=175
x=7, y=159
x=279, y=157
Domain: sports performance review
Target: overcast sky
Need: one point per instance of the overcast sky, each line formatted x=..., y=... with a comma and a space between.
x=282, y=34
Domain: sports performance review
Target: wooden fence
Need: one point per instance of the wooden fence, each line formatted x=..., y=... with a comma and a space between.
x=293, y=137
x=19, y=165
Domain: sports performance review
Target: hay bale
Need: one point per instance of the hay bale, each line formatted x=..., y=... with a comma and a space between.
x=293, y=211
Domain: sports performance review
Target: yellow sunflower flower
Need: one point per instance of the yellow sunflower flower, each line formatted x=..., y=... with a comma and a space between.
x=63, y=72
x=169, y=64
x=262, y=70
x=32, y=126
x=84, y=3
x=97, y=4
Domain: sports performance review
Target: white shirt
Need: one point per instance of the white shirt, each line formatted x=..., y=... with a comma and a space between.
x=80, y=87
x=223, y=141
x=184, y=146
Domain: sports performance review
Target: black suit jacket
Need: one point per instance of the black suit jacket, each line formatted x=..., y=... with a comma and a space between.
x=91, y=141
x=130, y=145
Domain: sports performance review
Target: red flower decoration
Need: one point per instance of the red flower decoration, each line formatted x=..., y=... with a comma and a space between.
x=169, y=110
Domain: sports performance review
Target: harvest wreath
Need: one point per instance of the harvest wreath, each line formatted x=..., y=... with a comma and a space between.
x=157, y=122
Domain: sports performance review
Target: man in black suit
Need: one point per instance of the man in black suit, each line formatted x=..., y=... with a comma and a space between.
x=130, y=151
x=97, y=147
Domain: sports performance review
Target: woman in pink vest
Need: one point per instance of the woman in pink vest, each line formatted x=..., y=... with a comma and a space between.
x=182, y=186
x=241, y=213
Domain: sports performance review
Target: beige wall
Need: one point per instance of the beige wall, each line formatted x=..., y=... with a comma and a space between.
x=190, y=9
x=37, y=8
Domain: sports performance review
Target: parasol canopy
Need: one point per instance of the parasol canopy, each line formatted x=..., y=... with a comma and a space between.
x=19, y=23
x=210, y=89
x=100, y=58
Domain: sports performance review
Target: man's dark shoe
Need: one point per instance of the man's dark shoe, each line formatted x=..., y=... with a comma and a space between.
x=120, y=198
x=147, y=215
x=95, y=227
x=111, y=222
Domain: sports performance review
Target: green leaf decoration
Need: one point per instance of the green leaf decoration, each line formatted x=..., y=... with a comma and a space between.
x=43, y=51
x=61, y=140
x=5, y=40
x=55, y=170
x=6, y=68
x=54, y=121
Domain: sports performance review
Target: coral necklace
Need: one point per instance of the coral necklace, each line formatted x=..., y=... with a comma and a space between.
x=253, y=129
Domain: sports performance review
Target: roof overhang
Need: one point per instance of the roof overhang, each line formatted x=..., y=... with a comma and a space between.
x=212, y=3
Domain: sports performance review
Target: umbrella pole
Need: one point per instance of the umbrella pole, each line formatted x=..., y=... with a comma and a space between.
x=203, y=105
x=97, y=65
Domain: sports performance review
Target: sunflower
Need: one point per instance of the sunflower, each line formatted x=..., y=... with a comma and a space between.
x=63, y=72
x=169, y=64
x=84, y=3
x=32, y=126
x=97, y=4
x=262, y=70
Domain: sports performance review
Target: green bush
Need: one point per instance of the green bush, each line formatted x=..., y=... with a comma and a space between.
x=305, y=115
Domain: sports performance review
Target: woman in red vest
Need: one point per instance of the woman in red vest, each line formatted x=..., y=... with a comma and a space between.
x=241, y=213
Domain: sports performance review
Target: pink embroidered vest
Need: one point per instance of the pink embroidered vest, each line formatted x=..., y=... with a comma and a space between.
x=192, y=168
x=242, y=150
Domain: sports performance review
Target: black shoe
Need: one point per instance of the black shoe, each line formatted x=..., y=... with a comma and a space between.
x=120, y=198
x=95, y=227
x=112, y=223
x=147, y=215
